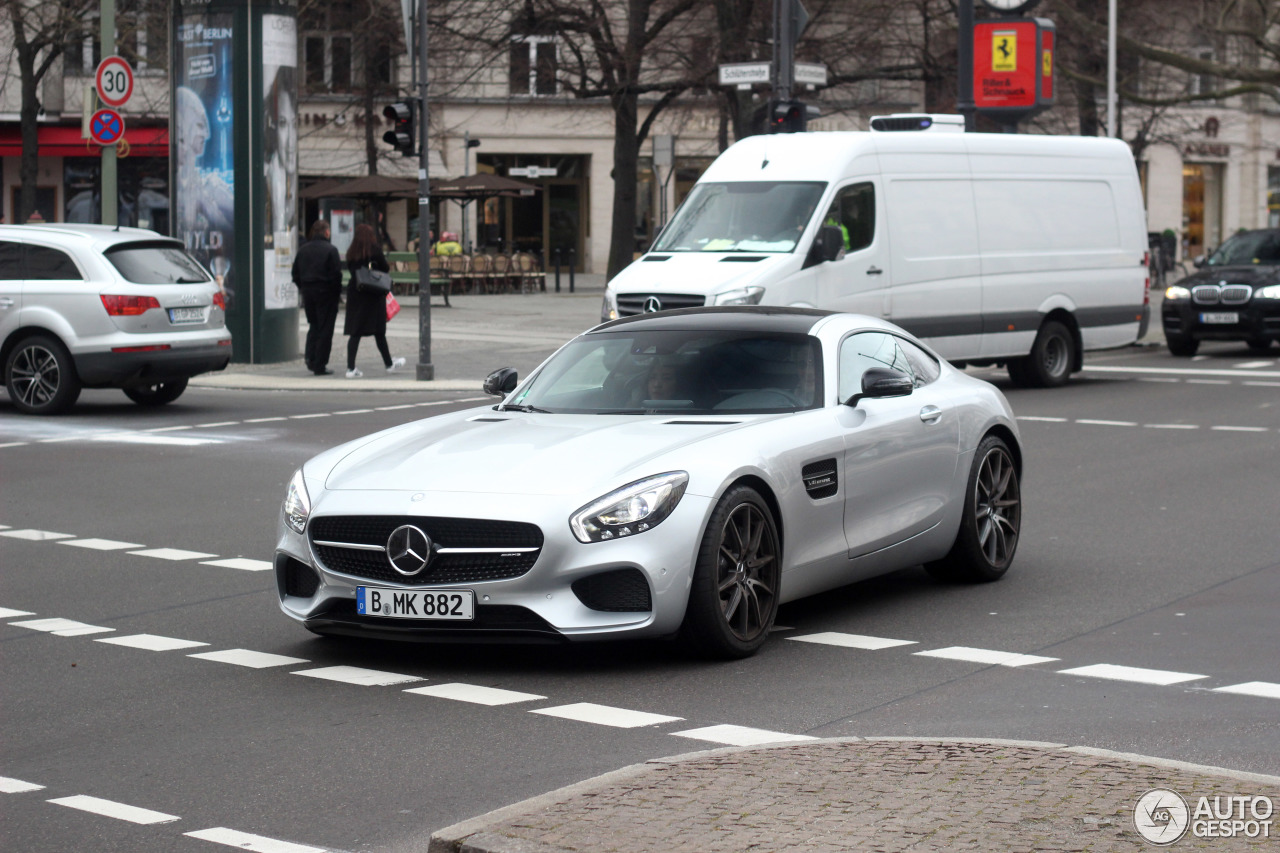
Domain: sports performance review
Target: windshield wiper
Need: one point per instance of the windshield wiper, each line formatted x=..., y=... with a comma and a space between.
x=516, y=407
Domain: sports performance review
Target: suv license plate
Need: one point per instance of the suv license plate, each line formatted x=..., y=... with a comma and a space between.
x=1224, y=317
x=451, y=604
x=186, y=315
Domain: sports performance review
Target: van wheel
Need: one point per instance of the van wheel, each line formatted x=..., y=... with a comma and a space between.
x=1181, y=345
x=41, y=377
x=158, y=394
x=991, y=521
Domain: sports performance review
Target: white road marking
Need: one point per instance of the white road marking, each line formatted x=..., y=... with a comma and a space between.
x=475, y=693
x=1208, y=381
x=161, y=440
x=739, y=735
x=1265, y=689
x=14, y=444
x=101, y=544
x=1181, y=371
x=248, y=658
x=356, y=675
x=241, y=563
x=394, y=408
x=61, y=627
x=604, y=715
x=6, y=613
x=1096, y=422
x=172, y=554
x=1044, y=419
x=1255, y=384
x=168, y=428
x=852, y=641
x=262, y=420
x=1171, y=426
x=217, y=424
x=119, y=811
x=971, y=655
x=305, y=417
x=245, y=841
x=35, y=535
x=17, y=786
x=1132, y=673
x=152, y=642
x=1239, y=429
x=1252, y=365
x=354, y=412
x=1157, y=379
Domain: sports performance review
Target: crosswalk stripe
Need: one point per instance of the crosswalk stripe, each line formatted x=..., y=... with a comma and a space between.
x=101, y=544
x=242, y=563
x=246, y=841
x=152, y=642
x=119, y=811
x=1132, y=673
x=475, y=693
x=739, y=735
x=174, y=554
x=356, y=675
x=987, y=656
x=61, y=627
x=17, y=786
x=852, y=641
x=1265, y=689
x=605, y=715
x=35, y=535
x=6, y=613
x=249, y=658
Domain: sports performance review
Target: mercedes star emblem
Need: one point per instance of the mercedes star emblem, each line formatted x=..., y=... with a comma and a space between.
x=652, y=304
x=408, y=550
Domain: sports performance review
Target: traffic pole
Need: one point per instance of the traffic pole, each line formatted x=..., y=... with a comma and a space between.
x=425, y=370
x=110, y=186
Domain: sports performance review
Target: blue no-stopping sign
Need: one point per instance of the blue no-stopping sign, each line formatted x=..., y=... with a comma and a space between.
x=106, y=127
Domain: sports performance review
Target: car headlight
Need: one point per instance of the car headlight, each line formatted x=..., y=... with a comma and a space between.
x=1271, y=291
x=297, y=504
x=1176, y=291
x=607, y=311
x=632, y=509
x=741, y=296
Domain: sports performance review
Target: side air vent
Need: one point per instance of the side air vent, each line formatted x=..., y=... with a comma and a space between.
x=742, y=259
x=653, y=259
x=296, y=578
x=616, y=591
x=820, y=479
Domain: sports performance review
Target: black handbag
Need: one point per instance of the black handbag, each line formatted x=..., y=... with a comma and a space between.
x=369, y=280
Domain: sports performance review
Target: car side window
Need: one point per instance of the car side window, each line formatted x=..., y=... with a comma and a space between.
x=10, y=261
x=854, y=212
x=866, y=350
x=924, y=367
x=50, y=264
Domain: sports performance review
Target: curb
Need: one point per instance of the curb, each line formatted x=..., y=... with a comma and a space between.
x=267, y=382
x=476, y=835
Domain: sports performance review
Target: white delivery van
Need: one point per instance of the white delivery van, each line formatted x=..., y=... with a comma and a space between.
x=1005, y=249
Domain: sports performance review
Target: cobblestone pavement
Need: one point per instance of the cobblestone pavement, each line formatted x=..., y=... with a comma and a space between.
x=890, y=794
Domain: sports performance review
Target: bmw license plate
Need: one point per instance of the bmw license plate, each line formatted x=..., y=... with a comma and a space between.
x=186, y=315
x=1222, y=317
x=451, y=604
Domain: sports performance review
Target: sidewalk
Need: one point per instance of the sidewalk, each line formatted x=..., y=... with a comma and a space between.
x=873, y=794
x=469, y=340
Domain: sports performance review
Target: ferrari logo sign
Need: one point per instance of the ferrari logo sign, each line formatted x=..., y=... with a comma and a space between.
x=1004, y=50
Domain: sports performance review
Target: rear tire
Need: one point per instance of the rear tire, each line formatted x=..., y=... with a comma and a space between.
x=1051, y=358
x=41, y=377
x=734, y=596
x=158, y=394
x=1181, y=345
x=991, y=522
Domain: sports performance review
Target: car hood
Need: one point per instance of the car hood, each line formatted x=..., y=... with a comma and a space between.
x=491, y=452
x=1257, y=275
x=697, y=272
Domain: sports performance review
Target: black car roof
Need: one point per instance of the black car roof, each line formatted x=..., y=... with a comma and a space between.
x=746, y=318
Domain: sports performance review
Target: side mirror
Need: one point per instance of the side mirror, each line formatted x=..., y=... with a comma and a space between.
x=826, y=246
x=883, y=382
x=1199, y=261
x=501, y=382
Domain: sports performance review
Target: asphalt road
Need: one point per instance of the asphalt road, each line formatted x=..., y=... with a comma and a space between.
x=1149, y=543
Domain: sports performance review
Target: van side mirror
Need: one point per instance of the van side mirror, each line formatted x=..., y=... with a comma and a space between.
x=501, y=382
x=883, y=382
x=826, y=246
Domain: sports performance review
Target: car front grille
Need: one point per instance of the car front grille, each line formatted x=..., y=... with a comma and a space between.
x=1236, y=294
x=1224, y=294
x=355, y=545
x=630, y=304
x=1206, y=294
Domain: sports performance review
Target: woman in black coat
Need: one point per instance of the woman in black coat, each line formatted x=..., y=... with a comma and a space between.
x=366, y=312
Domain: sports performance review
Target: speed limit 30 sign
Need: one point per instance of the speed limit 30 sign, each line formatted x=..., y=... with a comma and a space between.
x=114, y=81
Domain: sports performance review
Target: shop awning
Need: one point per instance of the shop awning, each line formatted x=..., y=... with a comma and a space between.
x=58, y=140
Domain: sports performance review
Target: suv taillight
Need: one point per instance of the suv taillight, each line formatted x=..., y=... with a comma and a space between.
x=128, y=306
x=219, y=301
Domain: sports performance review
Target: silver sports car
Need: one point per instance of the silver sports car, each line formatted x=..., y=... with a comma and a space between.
x=683, y=472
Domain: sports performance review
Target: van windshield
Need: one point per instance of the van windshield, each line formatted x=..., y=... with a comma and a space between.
x=748, y=216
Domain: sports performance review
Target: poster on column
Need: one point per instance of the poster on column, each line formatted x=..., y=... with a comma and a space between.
x=280, y=157
x=204, y=178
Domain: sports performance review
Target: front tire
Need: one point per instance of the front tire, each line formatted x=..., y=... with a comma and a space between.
x=991, y=521
x=158, y=394
x=41, y=376
x=734, y=596
x=1182, y=346
x=1258, y=344
x=1049, y=363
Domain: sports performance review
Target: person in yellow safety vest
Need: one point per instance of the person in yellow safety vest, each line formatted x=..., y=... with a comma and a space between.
x=844, y=232
x=448, y=244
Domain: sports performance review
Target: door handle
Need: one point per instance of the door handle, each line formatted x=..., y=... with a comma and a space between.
x=6, y=302
x=874, y=270
x=930, y=414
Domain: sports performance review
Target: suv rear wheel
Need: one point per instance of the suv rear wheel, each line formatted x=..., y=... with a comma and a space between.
x=41, y=377
x=158, y=394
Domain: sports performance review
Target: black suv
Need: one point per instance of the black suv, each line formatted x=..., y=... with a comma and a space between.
x=1234, y=296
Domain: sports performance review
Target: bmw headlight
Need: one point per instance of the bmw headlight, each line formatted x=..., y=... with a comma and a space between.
x=632, y=509
x=1176, y=291
x=297, y=504
x=741, y=296
x=1271, y=291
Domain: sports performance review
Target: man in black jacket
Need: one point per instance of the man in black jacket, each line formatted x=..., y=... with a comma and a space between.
x=317, y=271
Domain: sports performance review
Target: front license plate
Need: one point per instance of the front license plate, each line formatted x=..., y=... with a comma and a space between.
x=186, y=315
x=451, y=604
x=1224, y=317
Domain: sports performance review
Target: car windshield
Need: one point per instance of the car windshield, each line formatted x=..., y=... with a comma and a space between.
x=156, y=263
x=755, y=216
x=1251, y=247
x=679, y=372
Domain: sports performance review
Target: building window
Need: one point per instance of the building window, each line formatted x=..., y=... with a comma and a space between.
x=142, y=38
x=328, y=63
x=534, y=65
x=1273, y=196
x=1203, y=84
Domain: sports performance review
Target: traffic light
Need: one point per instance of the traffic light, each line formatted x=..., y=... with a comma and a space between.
x=789, y=117
x=401, y=135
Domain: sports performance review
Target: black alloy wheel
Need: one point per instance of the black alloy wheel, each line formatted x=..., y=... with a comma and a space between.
x=991, y=521
x=158, y=394
x=1049, y=363
x=734, y=597
x=41, y=377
